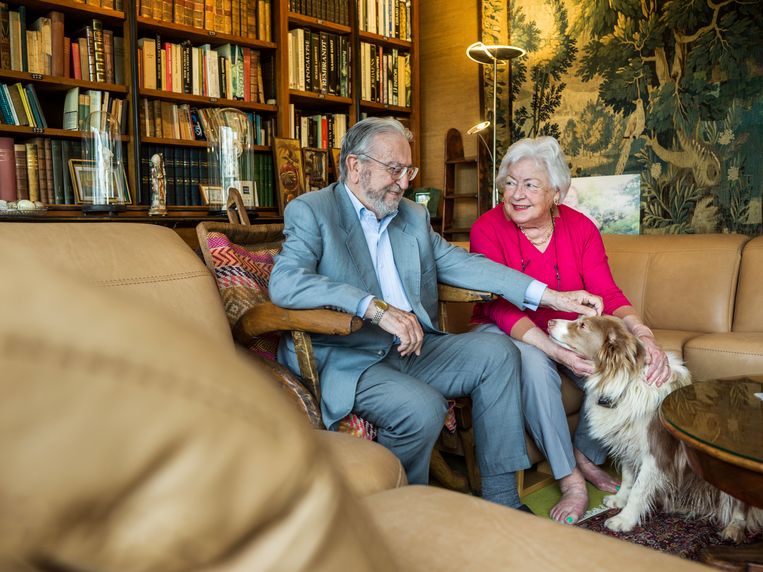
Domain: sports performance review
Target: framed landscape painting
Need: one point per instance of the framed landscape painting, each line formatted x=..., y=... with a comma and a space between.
x=611, y=202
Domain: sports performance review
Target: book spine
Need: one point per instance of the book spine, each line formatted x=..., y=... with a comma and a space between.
x=99, y=51
x=32, y=172
x=48, y=154
x=57, y=167
x=108, y=55
x=7, y=169
x=58, y=56
x=22, y=174
x=5, y=37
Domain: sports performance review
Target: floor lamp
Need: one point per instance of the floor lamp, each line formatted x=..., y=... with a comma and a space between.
x=492, y=54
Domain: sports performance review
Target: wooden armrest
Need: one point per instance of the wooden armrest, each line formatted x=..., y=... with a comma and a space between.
x=267, y=317
x=448, y=293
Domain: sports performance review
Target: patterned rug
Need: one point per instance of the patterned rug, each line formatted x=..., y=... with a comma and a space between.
x=670, y=533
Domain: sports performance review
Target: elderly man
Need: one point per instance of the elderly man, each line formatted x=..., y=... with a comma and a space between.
x=358, y=246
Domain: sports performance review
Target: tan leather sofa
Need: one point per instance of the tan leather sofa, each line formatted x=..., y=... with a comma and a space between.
x=702, y=295
x=133, y=437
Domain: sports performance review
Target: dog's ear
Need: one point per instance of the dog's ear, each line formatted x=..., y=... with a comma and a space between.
x=620, y=351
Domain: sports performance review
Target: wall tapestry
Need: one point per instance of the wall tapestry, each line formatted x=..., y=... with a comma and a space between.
x=669, y=90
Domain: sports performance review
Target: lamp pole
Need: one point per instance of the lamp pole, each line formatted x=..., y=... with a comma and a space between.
x=492, y=54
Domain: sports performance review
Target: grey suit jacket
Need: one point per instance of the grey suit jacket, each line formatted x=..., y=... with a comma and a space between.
x=325, y=262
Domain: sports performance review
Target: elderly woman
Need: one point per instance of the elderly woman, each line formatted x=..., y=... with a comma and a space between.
x=533, y=232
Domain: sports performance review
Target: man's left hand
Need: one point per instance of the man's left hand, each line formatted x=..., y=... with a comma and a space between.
x=576, y=301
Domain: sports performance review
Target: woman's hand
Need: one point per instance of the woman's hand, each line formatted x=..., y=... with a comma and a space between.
x=579, y=365
x=658, y=370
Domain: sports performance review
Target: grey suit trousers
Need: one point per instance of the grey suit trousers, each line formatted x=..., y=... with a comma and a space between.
x=543, y=409
x=406, y=398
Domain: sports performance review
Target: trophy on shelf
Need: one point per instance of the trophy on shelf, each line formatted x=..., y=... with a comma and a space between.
x=98, y=178
x=230, y=144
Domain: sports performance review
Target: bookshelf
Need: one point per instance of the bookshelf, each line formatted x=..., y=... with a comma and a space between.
x=183, y=35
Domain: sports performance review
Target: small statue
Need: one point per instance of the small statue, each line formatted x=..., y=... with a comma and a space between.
x=158, y=191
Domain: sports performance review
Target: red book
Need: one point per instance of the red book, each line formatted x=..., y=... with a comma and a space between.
x=324, y=132
x=7, y=169
x=67, y=57
x=247, y=74
x=76, y=67
x=167, y=65
x=57, y=43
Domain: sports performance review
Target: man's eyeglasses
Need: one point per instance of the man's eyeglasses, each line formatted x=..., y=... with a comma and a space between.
x=396, y=171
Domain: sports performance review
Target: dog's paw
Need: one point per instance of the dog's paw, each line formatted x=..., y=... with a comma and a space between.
x=615, y=501
x=734, y=532
x=619, y=523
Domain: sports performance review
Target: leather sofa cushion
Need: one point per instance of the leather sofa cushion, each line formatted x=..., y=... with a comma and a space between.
x=144, y=260
x=713, y=356
x=487, y=536
x=748, y=314
x=685, y=282
x=129, y=443
x=673, y=340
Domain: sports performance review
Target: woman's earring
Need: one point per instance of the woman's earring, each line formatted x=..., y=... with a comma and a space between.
x=556, y=200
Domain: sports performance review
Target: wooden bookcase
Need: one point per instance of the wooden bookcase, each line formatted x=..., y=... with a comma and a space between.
x=133, y=23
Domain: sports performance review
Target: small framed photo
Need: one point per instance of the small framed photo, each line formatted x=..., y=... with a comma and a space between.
x=316, y=163
x=211, y=194
x=289, y=172
x=85, y=181
x=423, y=197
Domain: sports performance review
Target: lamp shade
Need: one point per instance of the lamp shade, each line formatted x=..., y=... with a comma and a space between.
x=488, y=54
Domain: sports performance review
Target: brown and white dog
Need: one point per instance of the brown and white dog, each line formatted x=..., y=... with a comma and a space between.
x=622, y=411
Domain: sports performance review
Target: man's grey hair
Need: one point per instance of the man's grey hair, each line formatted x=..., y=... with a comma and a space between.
x=545, y=152
x=359, y=138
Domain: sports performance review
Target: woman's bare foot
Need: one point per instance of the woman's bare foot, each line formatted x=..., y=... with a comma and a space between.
x=574, y=501
x=597, y=476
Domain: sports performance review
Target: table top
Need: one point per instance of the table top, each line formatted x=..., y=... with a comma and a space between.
x=723, y=416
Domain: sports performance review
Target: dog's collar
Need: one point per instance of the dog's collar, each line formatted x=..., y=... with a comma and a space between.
x=608, y=402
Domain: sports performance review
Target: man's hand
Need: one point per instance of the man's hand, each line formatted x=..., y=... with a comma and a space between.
x=404, y=325
x=576, y=301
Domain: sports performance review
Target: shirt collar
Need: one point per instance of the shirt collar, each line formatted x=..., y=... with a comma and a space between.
x=363, y=212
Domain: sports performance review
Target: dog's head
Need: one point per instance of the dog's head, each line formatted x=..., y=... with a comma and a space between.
x=604, y=340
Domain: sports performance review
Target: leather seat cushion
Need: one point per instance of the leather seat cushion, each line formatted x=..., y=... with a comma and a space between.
x=711, y=356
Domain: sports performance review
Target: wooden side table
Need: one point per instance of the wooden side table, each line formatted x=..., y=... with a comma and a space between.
x=720, y=426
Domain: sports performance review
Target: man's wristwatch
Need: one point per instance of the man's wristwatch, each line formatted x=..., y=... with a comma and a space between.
x=380, y=307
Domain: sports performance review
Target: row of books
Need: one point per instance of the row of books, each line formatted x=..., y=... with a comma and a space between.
x=229, y=71
x=319, y=62
x=185, y=169
x=38, y=170
x=97, y=55
x=81, y=104
x=319, y=131
x=386, y=75
x=390, y=18
x=110, y=4
x=19, y=105
x=182, y=121
x=246, y=18
x=332, y=10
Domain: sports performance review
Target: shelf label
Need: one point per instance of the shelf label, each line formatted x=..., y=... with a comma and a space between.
x=212, y=100
x=36, y=76
x=38, y=130
x=212, y=33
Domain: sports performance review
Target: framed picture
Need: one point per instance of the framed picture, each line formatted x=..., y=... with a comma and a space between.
x=211, y=195
x=335, y=154
x=612, y=202
x=249, y=194
x=84, y=181
x=316, y=163
x=289, y=171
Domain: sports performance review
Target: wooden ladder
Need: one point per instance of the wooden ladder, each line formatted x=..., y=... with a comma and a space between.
x=454, y=227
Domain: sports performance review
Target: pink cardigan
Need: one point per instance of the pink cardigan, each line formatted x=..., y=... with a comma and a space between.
x=576, y=248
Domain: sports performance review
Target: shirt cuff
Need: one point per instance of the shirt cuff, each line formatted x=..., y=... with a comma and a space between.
x=363, y=305
x=533, y=294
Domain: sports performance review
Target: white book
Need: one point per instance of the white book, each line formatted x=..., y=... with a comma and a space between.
x=148, y=51
x=71, y=110
x=95, y=106
x=195, y=71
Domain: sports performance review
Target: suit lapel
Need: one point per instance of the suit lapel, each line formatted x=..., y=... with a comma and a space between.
x=408, y=263
x=356, y=241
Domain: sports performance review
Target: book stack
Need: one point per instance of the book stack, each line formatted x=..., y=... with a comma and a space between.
x=390, y=18
x=245, y=18
x=331, y=10
x=187, y=168
x=19, y=105
x=38, y=170
x=228, y=71
x=110, y=4
x=181, y=121
x=386, y=75
x=319, y=62
x=80, y=104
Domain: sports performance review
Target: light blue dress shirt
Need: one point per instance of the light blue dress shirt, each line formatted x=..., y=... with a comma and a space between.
x=380, y=248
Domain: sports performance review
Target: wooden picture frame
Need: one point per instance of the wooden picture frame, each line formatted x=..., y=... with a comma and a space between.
x=212, y=194
x=82, y=178
x=316, y=164
x=289, y=173
x=336, y=153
